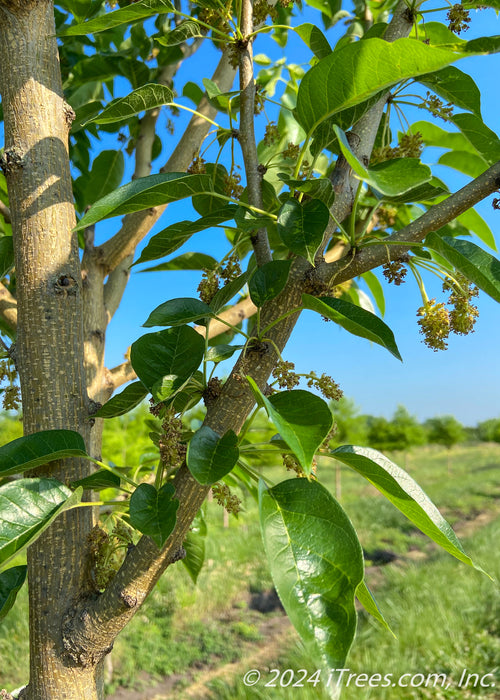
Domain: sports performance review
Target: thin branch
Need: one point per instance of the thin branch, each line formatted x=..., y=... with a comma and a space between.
x=433, y=219
x=5, y=212
x=8, y=307
x=121, y=374
x=115, y=286
x=246, y=136
x=136, y=226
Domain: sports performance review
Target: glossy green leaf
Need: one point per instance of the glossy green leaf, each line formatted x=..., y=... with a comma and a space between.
x=219, y=353
x=472, y=220
x=123, y=402
x=102, y=479
x=316, y=564
x=359, y=70
x=31, y=451
x=210, y=456
x=476, y=264
x=6, y=256
x=105, y=176
x=434, y=135
x=302, y=418
x=27, y=508
x=175, y=353
x=301, y=226
x=126, y=15
x=188, y=29
x=144, y=98
x=145, y=192
x=354, y=319
x=470, y=164
x=482, y=138
x=374, y=285
x=172, y=237
x=401, y=490
x=227, y=292
x=268, y=281
x=317, y=188
x=314, y=38
x=188, y=395
x=455, y=86
x=11, y=582
x=175, y=312
x=154, y=512
x=365, y=597
x=194, y=546
x=186, y=261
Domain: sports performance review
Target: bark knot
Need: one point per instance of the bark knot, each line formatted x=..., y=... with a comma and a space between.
x=66, y=284
x=11, y=160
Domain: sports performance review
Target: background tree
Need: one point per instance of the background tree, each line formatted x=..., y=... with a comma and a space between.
x=445, y=430
x=329, y=195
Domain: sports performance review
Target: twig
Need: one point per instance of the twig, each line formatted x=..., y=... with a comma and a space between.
x=5, y=212
x=8, y=307
x=246, y=136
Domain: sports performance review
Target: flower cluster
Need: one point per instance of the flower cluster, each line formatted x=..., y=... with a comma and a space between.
x=285, y=375
x=106, y=551
x=232, y=186
x=172, y=450
x=272, y=134
x=261, y=10
x=464, y=314
x=458, y=18
x=197, y=166
x=434, y=324
x=209, y=285
x=291, y=464
x=409, y=146
x=224, y=497
x=395, y=271
x=11, y=392
x=291, y=151
x=326, y=385
x=437, y=107
x=231, y=269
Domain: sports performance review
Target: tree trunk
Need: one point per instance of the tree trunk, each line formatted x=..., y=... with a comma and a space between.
x=49, y=348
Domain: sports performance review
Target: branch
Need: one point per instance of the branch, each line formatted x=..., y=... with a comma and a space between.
x=136, y=226
x=246, y=134
x=433, y=219
x=8, y=307
x=5, y=212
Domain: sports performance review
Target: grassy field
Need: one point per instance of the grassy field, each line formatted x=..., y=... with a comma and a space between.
x=199, y=641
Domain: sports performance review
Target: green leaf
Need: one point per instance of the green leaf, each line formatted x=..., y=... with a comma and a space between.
x=316, y=564
x=219, y=353
x=11, y=582
x=268, y=281
x=154, y=512
x=126, y=15
x=433, y=135
x=365, y=597
x=27, y=508
x=172, y=237
x=188, y=29
x=105, y=176
x=31, y=451
x=470, y=164
x=317, y=188
x=301, y=226
x=175, y=312
x=143, y=193
x=227, y=292
x=146, y=97
x=483, y=139
x=456, y=87
x=476, y=264
x=102, y=479
x=123, y=402
x=210, y=456
x=356, y=72
x=404, y=493
x=472, y=220
x=376, y=289
x=314, y=38
x=354, y=319
x=302, y=419
x=6, y=256
x=194, y=545
x=175, y=353
x=186, y=261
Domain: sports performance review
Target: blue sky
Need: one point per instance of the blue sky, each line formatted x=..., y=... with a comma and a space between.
x=464, y=380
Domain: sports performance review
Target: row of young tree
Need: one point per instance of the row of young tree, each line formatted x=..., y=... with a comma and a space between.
x=404, y=431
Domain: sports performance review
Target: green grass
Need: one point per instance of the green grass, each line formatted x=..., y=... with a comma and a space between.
x=443, y=613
